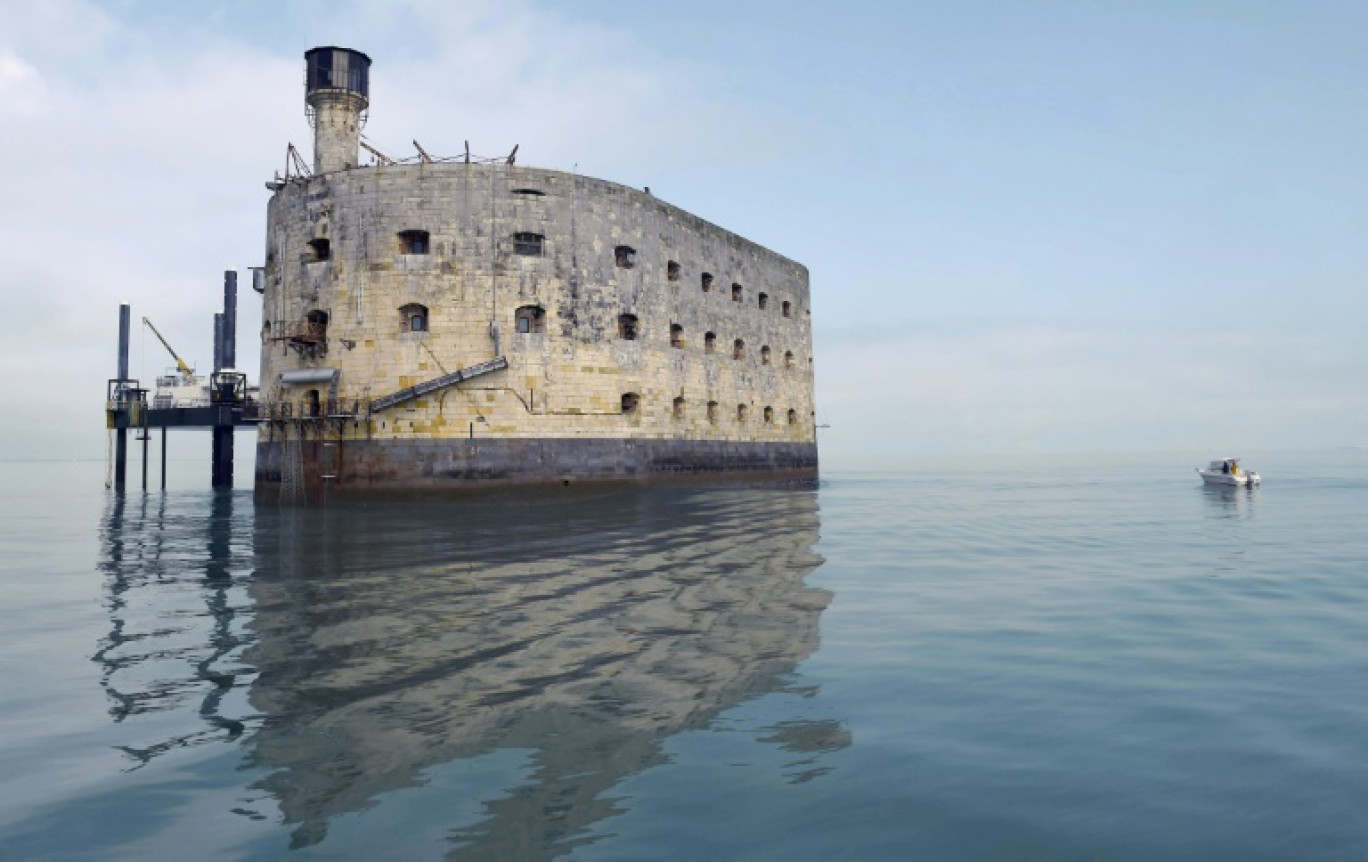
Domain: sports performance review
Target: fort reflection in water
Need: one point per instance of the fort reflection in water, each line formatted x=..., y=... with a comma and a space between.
x=375, y=643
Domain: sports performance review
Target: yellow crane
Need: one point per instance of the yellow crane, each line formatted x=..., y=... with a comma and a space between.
x=186, y=371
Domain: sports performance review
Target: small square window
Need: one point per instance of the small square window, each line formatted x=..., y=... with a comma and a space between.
x=528, y=244
x=413, y=242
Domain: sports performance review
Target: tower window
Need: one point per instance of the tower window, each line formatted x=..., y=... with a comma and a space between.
x=793, y=417
x=769, y=414
x=738, y=349
x=712, y=412
x=529, y=244
x=624, y=256
x=710, y=342
x=530, y=319
x=413, y=318
x=316, y=326
x=319, y=249
x=679, y=407
x=736, y=292
x=788, y=358
x=765, y=355
x=413, y=242
x=536, y=193
x=627, y=327
x=630, y=402
x=786, y=308
x=707, y=281
x=676, y=335
x=672, y=270
x=740, y=413
x=763, y=300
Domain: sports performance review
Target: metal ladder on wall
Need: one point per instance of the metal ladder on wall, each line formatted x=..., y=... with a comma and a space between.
x=292, y=470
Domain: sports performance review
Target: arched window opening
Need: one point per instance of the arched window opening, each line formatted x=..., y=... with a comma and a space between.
x=769, y=415
x=679, y=407
x=738, y=349
x=763, y=300
x=627, y=327
x=529, y=320
x=315, y=327
x=710, y=342
x=707, y=281
x=764, y=355
x=712, y=412
x=528, y=244
x=788, y=358
x=630, y=402
x=793, y=417
x=672, y=270
x=624, y=256
x=676, y=335
x=786, y=308
x=413, y=242
x=736, y=292
x=413, y=318
x=319, y=249
x=740, y=413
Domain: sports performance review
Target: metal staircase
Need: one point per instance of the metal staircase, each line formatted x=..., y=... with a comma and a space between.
x=498, y=363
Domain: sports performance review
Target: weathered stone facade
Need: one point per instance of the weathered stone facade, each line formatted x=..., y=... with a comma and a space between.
x=629, y=326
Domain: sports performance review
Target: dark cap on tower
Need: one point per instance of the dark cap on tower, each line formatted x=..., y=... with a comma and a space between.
x=333, y=68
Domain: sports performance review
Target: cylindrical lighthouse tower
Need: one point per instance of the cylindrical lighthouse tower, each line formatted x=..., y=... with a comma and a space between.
x=337, y=91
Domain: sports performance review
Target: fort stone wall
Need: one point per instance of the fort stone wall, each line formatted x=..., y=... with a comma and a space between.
x=639, y=339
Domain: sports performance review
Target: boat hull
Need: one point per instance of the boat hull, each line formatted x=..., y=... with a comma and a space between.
x=1210, y=477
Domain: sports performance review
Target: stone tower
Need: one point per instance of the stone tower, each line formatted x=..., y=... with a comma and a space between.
x=337, y=91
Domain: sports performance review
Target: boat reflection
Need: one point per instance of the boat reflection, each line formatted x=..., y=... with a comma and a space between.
x=1231, y=501
x=376, y=644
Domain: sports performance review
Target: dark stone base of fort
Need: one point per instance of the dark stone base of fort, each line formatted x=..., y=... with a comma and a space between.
x=368, y=467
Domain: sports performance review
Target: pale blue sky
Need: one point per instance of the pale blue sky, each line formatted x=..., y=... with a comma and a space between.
x=1030, y=225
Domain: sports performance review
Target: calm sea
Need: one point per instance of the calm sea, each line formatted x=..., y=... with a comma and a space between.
x=1063, y=658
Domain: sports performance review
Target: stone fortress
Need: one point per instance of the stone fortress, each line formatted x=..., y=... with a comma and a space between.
x=453, y=323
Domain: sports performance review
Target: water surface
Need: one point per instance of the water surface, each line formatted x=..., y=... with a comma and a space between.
x=1043, y=658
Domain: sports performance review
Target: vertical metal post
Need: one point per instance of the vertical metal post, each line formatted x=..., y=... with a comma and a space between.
x=125, y=315
x=121, y=434
x=225, y=356
x=230, y=319
x=146, y=434
x=223, y=449
x=163, y=470
x=218, y=341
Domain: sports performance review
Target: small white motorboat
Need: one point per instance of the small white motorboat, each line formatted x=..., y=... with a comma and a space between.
x=1227, y=471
